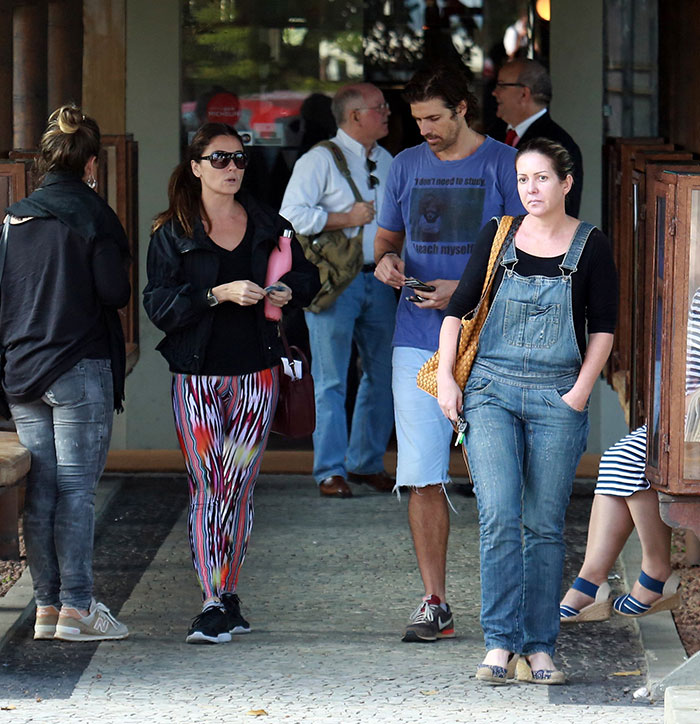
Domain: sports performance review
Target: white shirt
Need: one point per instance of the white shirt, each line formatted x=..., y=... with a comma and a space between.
x=524, y=125
x=317, y=188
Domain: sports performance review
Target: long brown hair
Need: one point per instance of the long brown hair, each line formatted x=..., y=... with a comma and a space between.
x=70, y=140
x=184, y=188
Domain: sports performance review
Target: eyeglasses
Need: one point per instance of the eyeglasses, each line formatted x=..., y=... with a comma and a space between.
x=506, y=85
x=221, y=159
x=373, y=181
x=380, y=108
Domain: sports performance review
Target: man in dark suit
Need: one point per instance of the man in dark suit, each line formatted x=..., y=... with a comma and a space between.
x=523, y=92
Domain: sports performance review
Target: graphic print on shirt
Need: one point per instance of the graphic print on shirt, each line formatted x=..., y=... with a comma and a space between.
x=446, y=220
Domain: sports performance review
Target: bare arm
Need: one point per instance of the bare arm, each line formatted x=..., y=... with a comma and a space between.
x=387, y=255
x=598, y=351
x=449, y=394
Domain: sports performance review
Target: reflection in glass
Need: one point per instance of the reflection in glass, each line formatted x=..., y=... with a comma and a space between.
x=657, y=320
x=692, y=361
x=254, y=64
x=636, y=366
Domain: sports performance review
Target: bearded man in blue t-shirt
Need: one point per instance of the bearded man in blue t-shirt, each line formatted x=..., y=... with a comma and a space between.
x=438, y=196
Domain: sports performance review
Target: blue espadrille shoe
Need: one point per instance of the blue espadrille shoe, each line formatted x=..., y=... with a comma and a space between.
x=669, y=589
x=599, y=610
x=497, y=675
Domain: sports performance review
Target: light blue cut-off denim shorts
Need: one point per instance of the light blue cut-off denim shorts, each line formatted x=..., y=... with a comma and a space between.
x=423, y=433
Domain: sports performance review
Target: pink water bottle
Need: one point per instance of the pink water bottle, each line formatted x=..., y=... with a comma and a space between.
x=279, y=263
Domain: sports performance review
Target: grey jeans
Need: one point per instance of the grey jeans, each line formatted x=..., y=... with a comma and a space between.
x=67, y=432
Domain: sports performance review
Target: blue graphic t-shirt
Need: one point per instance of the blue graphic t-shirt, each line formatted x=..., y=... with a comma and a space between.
x=441, y=206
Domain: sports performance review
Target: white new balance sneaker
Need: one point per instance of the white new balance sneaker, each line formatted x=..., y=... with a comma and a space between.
x=98, y=625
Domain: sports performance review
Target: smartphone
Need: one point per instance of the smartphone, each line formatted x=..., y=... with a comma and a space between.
x=418, y=285
x=415, y=299
x=274, y=288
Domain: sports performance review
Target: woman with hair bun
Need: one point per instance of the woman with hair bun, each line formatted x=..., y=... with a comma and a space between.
x=207, y=264
x=64, y=279
x=524, y=411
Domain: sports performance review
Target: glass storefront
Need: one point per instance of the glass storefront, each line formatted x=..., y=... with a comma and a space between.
x=654, y=434
x=691, y=459
x=270, y=68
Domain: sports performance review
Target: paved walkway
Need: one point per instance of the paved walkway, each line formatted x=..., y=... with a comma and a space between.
x=327, y=587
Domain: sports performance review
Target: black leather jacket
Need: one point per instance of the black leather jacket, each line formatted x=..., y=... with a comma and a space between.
x=181, y=270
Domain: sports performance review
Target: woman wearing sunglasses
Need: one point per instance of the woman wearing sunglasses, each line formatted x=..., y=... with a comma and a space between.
x=206, y=267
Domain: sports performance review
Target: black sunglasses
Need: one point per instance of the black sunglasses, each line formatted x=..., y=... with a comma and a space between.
x=221, y=159
x=373, y=181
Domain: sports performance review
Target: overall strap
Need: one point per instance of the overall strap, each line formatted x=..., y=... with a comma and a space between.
x=573, y=255
x=342, y=165
x=510, y=256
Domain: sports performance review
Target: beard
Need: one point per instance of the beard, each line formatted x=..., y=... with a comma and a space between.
x=442, y=143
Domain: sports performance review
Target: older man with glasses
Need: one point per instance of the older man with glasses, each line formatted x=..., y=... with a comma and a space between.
x=319, y=198
x=523, y=93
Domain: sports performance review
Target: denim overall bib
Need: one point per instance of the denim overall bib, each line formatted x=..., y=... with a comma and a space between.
x=524, y=444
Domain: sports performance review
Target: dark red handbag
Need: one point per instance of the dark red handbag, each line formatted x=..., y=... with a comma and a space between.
x=295, y=415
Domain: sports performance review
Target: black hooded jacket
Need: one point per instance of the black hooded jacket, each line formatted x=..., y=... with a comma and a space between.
x=181, y=270
x=65, y=278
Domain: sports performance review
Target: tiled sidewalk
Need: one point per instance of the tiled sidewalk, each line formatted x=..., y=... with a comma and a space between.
x=327, y=587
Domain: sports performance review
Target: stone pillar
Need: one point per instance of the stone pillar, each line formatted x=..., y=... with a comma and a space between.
x=104, y=60
x=65, y=53
x=29, y=23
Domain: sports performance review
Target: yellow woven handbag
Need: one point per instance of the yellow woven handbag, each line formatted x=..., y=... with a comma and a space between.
x=468, y=342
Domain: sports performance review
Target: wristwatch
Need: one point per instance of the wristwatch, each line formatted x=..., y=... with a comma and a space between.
x=212, y=301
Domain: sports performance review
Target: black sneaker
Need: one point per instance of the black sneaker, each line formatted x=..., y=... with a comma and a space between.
x=210, y=627
x=429, y=622
x=236, y=623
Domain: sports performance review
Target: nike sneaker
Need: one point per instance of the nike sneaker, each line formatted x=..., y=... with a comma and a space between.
x=429, y=622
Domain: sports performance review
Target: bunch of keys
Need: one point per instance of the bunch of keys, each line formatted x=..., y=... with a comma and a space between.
x=460, y=428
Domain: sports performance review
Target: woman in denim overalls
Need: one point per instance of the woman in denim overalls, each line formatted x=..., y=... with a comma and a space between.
x=525, y=407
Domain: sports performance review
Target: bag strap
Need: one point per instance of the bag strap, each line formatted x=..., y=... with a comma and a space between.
x=342, y=164
x=3, y=245
x=498, y=248
x=289, y=354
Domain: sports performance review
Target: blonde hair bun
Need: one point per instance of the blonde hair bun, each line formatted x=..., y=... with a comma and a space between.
x=68, y=118
x=71, y=138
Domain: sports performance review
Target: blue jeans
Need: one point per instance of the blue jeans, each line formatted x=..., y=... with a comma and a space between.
x=524, y=444
x=364, y=312
x=67, y=432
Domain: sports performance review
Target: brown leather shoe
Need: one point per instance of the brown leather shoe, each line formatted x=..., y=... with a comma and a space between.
x=382, y=482
x=335, y=487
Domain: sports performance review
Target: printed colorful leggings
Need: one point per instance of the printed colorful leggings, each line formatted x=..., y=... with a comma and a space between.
x=222, y=424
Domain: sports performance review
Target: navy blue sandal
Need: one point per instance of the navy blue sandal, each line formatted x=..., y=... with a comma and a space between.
x=599, y=610
x=669, y=590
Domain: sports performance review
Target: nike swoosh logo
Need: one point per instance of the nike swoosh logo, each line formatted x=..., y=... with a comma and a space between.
x=442, y=625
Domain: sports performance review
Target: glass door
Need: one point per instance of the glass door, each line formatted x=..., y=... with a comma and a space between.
x=691, y=436
x=656, y=275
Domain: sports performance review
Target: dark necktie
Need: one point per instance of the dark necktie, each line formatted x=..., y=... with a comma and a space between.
x=511, y=137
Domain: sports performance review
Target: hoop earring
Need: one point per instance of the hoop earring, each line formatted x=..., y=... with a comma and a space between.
x=92, y=182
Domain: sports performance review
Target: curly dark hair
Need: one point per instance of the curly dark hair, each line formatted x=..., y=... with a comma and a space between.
x=450, y=83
